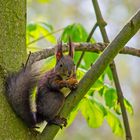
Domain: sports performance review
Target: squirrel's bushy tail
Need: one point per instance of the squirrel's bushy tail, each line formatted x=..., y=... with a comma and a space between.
x=18, y=89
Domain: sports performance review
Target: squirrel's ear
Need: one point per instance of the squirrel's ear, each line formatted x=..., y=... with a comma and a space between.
x=59, y=52
x=71, y=48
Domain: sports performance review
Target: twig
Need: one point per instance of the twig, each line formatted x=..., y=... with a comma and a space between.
x=121, y=101
x=27, y=61
x=88, y=40
x=102, y=25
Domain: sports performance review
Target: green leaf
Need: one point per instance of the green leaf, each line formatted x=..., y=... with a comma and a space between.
x=92, y=112
x=31, y=27
x=37, y=30
x=101, y=107
x=109, y=73
x=77, y=55
x=77, y=33
x=73, y=115
x=88, y=59
x=117, y=109
x=101, y=91
x=80, y=73
x=115, y=124
x=110, y=96
x=46, y=30
x=90, y=92
x=49, y=63
x=46, y=26
x=98, y=85
x=32, y=31
x=128, y=106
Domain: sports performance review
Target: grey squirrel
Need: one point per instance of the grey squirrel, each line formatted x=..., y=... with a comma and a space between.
x=48, y=96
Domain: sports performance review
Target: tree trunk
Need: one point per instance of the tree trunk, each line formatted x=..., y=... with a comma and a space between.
x=12, y=55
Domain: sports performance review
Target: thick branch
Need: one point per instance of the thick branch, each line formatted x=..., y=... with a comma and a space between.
x=97, y=48
x=96, y=70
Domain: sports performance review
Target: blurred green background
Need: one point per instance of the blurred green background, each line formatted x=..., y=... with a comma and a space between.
x=59, y=14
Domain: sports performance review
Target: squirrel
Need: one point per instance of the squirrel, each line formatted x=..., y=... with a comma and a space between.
x=22, y=86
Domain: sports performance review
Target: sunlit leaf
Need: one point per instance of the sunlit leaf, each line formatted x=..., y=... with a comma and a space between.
x=49, y=63
x=110, y=96
x=92, y=112
x=47, y=26
x=101, y=91
x=46, y=30
x=109, y=73
x=80, y=73
x=115, y=124
x=37, y=30
x=90, y=92
x=128, y=106
x=98, y=85
x=88, y=59
x=101, y=107
x=117, y=109
x=73, y=115
x=32, y=31
x=31, y=27
x=77, y=33
x=77, y=55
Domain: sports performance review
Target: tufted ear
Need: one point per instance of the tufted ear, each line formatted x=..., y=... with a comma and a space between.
x=59, y=51
x=71, y=48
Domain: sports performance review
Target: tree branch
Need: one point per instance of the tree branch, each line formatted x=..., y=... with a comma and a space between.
x=121, y=101
x=88, y=47
x=128, y=31
x=102, y=25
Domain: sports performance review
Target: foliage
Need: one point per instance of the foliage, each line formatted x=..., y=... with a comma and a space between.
x=101, y=101
x=37, y=30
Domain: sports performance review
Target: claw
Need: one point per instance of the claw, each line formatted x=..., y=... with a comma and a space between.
x=59, y=121
x=73, y=87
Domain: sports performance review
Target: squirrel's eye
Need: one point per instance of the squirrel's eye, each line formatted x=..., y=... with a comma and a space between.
x=61, y=65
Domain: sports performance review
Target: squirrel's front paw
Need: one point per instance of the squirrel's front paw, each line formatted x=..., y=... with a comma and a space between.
x=74, y=86
x=72, y=83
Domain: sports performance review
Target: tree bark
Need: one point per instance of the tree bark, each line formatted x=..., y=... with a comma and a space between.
x=12, y=55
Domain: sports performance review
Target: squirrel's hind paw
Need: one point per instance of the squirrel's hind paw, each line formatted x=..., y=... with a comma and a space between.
x=60, y=121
